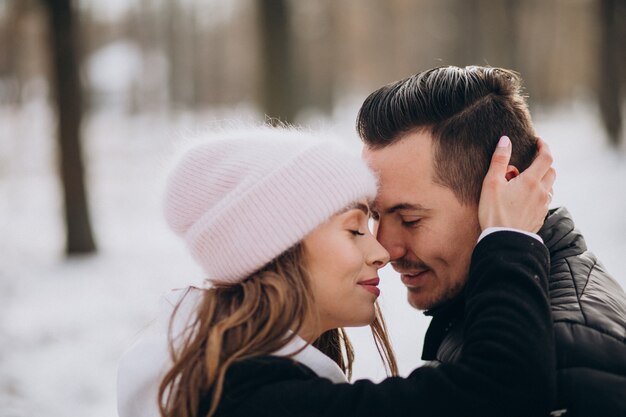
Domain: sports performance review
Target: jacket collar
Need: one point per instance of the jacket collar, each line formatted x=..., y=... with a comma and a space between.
x=444, y=317
x=301, y=351
x=449, y=308
x=560, y=235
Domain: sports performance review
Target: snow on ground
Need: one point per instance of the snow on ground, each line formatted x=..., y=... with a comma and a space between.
x=64, y=324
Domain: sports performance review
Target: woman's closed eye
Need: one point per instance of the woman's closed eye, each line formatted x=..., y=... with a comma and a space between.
x=356, y=233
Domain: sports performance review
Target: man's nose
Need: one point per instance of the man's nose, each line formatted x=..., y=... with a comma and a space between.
x=390, y=240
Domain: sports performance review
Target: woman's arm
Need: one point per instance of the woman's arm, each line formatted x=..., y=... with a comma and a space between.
x=507, y=365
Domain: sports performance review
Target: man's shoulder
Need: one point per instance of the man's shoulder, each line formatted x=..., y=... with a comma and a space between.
x=576, y=274
x=588, y=304
x=583, y=292
x=581, y=289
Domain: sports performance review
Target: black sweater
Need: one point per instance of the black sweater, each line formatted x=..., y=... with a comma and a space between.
x=506, y=369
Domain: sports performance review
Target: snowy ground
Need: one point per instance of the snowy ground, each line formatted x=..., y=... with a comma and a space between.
x=64, y=324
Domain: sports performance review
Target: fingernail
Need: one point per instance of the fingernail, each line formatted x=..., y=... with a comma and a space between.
x=504, y=142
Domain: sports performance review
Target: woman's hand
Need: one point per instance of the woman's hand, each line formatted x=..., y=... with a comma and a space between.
x=520, y=202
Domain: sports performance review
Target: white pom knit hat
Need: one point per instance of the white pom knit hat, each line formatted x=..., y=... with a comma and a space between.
x=241, y=200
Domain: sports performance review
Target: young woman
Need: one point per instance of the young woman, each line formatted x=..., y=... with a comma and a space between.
x=279, y=222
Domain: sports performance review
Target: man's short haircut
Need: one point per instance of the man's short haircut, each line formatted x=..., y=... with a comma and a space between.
x=466, y=111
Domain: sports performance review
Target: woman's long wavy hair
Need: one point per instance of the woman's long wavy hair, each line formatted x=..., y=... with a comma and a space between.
x=252, y=318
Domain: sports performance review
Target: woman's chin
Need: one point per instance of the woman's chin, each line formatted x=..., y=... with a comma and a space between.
x=361, y=320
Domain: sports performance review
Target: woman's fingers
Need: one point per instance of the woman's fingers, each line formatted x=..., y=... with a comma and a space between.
x=500, y=161
x=522, y=202
x=542, y=163
x=548, y=179
x=547, y=182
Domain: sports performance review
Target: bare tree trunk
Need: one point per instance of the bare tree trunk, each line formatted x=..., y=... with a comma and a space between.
x=326, y=99
x=621, y=17
x=609, y=97
x=175, y=55
x=69, y=103
x=10, y=50
x=277, y=90
x=195, y=63
x=314, y=54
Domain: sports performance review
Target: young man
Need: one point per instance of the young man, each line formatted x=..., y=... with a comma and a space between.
x=430, y=137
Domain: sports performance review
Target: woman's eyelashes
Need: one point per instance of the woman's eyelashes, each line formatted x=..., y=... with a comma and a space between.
x=357, y=224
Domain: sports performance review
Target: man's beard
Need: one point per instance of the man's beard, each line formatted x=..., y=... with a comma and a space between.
x=436, y=299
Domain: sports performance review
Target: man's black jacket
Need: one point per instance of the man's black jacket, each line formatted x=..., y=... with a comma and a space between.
x=506, y=369
x=589, y=310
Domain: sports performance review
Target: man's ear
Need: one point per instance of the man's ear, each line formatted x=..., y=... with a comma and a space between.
x=511, y=172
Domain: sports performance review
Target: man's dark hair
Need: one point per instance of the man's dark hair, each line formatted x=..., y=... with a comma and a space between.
x=466, y=111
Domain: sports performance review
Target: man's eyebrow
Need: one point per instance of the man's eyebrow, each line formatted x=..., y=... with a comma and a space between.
x=406, y=206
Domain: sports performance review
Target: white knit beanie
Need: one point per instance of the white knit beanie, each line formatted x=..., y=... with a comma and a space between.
x=241, y=200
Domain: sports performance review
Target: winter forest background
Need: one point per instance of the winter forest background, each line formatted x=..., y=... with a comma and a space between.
x=95, y=95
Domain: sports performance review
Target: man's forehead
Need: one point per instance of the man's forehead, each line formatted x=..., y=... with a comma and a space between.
x=404, y=171
x=407, y=160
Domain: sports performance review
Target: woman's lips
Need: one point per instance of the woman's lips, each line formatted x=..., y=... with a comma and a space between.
x=371, y=285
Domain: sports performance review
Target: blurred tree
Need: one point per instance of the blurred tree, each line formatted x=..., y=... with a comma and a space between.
x=486, y=32
x=66, y=84
x=211, y=54
x=277, y=92
x=468, y=43
x=174, y=51
x=181, y=48
x=197, y=65
x=611, y=49
x=498, y=26
x=327, y=40
x=314, y=54
x=9, y=51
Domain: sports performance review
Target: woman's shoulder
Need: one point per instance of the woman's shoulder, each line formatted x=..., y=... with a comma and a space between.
x=247, y=377
x=267, y=368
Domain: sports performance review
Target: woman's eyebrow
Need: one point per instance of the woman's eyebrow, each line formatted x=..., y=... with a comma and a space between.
x=359, y=206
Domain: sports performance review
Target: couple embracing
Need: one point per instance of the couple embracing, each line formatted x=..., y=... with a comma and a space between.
x=525, y=321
